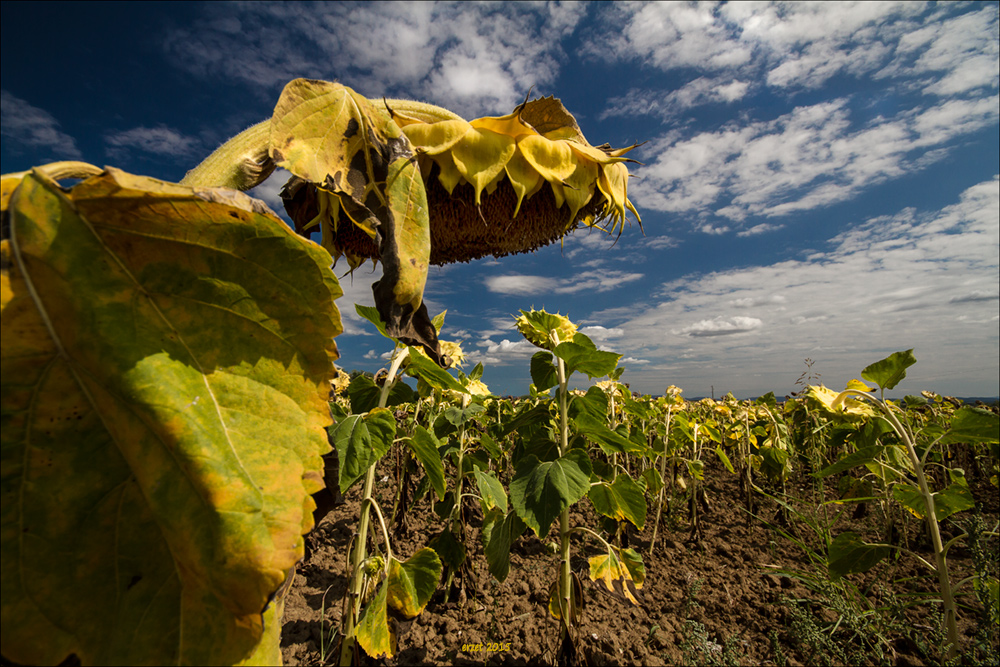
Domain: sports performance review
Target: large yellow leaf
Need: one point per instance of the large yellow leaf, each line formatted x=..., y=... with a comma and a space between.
x=335, y=139
x=165, y=368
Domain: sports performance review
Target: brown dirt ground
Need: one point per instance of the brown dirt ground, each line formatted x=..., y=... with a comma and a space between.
x=726, y=584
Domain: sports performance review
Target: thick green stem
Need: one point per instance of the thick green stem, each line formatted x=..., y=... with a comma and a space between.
x=663, y=479
x=241, y=163
x=940, y=555
x=359, y=554
x=565, y=584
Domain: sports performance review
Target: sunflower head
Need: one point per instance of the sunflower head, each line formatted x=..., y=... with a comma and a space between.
x=545, y=330
x=496, y=186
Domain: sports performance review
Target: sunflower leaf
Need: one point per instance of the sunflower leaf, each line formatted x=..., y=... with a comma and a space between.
x=166, y=358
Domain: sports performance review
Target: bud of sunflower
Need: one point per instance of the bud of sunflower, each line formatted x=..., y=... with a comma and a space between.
x=545, y=330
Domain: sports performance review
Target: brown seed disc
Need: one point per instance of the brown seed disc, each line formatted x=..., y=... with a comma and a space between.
x=461, y=233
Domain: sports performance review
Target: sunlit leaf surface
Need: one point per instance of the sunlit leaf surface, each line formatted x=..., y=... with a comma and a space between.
x=166, y=362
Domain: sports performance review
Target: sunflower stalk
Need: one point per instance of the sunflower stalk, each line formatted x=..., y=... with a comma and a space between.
x=950, y=621
x=359, y=554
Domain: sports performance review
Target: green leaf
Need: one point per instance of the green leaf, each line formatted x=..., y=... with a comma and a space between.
x=653, y=480
x=849, y=554
x=364, y=394
x=973, y=425
x=860, y=457
x=891, y=370
x=424, y=446
x=458, y=416
x=622, y=500
x=491, y=447
x=543, y=371
x=592, y=362
x=353, y=444
x=166, y=360
x=370, y=313
x=412, y=583
x=956, y=498
x=373, y=632
x=609, y=441
x=382, y=430
x=541, y=490
x=422, y=367
x=498, y=534
x=449, y=548
x=491, y=490
x=725, y=459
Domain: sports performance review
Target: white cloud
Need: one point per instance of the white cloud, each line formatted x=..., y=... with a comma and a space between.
x=26, y=127
x=926, y=280
x=474, y=58
x=944, y=50
x=699, y=92
x=600, y=280
x=808, y=158
x=720, y=326
x=155, y=140
x=520, y=285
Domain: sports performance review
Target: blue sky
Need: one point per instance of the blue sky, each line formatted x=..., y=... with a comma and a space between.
x=819, y=181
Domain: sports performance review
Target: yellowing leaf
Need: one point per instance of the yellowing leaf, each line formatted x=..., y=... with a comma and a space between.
x=166, y=360
x=412, y=583
x=373, y=631
x=615, y=575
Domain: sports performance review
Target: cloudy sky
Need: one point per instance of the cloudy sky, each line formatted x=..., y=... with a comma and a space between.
x=819, y=181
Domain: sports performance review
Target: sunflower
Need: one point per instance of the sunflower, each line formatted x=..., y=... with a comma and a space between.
x=495, y=185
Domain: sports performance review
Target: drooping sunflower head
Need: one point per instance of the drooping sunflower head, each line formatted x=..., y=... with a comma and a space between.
x=495, y=185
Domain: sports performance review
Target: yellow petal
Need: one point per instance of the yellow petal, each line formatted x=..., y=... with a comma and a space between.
x=511, y=125
x=613, y=181
x=554, y=160
x=523, y=177
x=449, y=175
x=595, y=154
x=434, y=138
x=580, y=187
x=481, y=155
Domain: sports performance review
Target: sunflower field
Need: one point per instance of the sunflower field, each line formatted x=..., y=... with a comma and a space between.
x=189, y=476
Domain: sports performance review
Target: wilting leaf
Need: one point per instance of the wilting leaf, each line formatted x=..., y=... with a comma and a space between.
x=890, y=371
x=165, y=370
x=449, y=548
x=328, y=135
x=424, y=446
x=576, y=599
x=541, y=490
x=373, y=632
x=849, y=554
x=612, y=573
x=412, y=583
x=721, y=453
x=499, y=532
x=622, y=500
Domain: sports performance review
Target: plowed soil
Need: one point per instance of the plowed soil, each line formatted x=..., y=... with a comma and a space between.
x=721, y=600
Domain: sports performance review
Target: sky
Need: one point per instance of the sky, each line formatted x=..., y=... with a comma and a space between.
x=819, y=187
